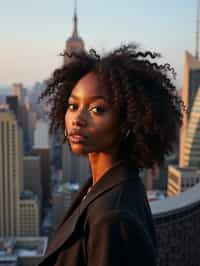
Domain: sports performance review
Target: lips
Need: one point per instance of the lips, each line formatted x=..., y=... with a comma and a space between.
x=77, y=138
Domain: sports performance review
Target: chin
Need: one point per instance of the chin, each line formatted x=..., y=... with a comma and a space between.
x=79, y=150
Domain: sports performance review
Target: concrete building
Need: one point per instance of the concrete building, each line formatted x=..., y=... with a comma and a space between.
x=191, y=83
x=192, y=142
x=44, y=155
x=11, y=173
x=76, y=168
x=22, y=251
x=29, y=214
x=181, y=178
x=62, y=199
x=13, y=104
x=74, y=43
x=19, y=91
x=155, y=195
x=41, y=149
x=41, y=136
x=32, y=175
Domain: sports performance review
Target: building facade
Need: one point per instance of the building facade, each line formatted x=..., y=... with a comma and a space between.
x=29, y=214
x=22, y=251
x=191, y=83
x=74, y=43
x=181, y=178
x=192, y=142
x=11, y=173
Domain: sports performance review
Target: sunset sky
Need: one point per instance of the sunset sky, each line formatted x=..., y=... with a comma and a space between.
x=33, y=33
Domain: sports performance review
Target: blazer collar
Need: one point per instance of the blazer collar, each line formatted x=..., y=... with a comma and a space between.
x=120, y=172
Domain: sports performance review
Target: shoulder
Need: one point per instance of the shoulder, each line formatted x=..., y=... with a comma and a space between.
x=121, y=231
x=117, y=219
x=116, y=202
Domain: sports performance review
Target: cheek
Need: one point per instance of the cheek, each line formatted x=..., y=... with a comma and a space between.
x=108, y=129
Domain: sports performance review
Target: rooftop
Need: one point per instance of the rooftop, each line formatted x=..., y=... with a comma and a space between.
x=173, y=204
x=11, y=248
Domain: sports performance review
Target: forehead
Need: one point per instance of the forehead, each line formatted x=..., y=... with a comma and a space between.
x=89, y=86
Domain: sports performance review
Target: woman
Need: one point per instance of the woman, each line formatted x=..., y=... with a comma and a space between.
x=123, y=112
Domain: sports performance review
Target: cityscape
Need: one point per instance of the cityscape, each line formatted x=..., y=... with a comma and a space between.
x=40, y=177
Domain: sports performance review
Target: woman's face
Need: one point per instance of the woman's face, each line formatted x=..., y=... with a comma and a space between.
x=91, y=121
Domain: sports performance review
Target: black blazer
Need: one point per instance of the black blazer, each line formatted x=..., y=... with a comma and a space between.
x=112, y=226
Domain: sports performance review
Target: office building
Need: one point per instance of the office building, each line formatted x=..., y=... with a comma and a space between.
x=32, y=175
x=191, y=83
x=23, y=251
x=76, y=168
x=62, y=199
x=29, y=214
x=41, y=149
x=181, y=178
x=192, y=141
x=74, y=43
x=11, y=173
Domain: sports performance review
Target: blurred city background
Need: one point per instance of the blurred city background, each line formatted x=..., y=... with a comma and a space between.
x=39, y=176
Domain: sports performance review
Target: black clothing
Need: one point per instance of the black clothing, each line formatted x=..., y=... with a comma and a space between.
x=112, y=226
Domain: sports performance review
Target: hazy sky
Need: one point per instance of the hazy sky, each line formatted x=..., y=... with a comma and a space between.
x=33, y=33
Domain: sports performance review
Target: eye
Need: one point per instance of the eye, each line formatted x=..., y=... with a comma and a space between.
x=97, y=109
x=72, y=106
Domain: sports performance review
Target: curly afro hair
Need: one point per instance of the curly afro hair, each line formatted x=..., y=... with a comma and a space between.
x=142, y=90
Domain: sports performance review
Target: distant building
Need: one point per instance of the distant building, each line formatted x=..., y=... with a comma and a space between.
x=13, y=104
x=181, y=178
x=32, y=175
x=11, y=173
x=29, y=214
x=76, y=168
x=41, y=149
x=23, y=251
x=41, y=136
x=62, y=199
x=192, y=141
x=74, y=43
x=150, y=176
x=155, y=195
x=191, y=83
x=19, y=91
x=23, y=118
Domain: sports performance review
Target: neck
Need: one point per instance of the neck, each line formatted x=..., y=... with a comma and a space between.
x=101, y=163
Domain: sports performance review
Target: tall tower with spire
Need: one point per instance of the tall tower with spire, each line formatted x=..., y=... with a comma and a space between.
x=74, y=43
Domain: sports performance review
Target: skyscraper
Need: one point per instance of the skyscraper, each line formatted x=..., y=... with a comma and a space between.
x=11, y=173
x=191, y=83
x=192, y=141
x=74, y=43
x=41, y=149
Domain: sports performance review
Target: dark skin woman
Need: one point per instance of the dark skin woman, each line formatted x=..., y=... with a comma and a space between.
x=123, y=112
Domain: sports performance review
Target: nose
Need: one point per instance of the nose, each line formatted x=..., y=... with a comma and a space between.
x=79, y=119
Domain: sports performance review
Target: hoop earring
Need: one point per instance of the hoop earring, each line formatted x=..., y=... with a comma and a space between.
x=127, y=133
x=65, y=134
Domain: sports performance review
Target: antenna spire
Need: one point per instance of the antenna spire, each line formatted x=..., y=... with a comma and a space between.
x=75, y=6
x=75, y=28
x=197, y=30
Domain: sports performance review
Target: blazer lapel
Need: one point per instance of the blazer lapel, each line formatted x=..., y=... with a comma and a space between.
x=75, y=202
x=70, y=222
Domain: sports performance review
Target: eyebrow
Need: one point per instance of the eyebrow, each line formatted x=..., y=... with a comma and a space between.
x=90, y=98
